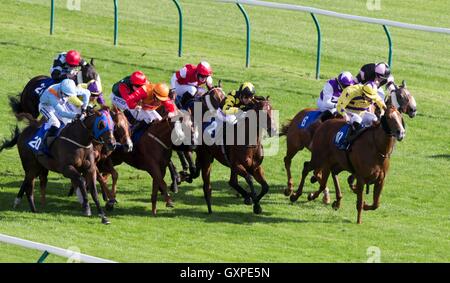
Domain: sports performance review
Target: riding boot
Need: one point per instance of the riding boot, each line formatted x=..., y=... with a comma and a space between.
x=326, y=115
x=355, y=132
x=48, y=139
x=185, y=99
x=139, y=125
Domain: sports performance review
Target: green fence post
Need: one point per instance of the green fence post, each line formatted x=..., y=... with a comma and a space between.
x=247, y=22
x=319, y=44
x=180, y=28
x=388, y=34
x=116, y=22
x=52, y=16
x=43, y=257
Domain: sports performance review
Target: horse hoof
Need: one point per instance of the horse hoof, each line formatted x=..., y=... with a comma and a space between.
x=294, y=197
x=87, y=211
x=16, y=203
x=311, y=196
x=248, y=201
x=335, y=205
x=169, y=204
x=313, y=179
x=288, y=192
x=174, y=188
x=109, y=206
x=257, y=209
x=105, y=221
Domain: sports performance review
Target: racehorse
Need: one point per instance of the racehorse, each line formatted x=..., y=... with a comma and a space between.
x=28, y=100
x=298, y=138
x=71, y=154
x=368, y=160
x=243, y=159
x=152, y=152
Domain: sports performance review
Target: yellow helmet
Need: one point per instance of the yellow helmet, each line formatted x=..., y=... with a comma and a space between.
x=370, y=90
x=247, y=89
x=161, y=91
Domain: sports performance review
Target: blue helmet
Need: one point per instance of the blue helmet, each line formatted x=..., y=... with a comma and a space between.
x=68, y=87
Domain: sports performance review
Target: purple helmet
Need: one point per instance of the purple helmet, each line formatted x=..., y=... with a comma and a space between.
x=382, y=70
x=345, y=79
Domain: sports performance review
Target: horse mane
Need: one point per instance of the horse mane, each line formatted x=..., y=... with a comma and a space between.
x=29, y=119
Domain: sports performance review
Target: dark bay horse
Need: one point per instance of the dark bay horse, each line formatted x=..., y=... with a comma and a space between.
x=368, y=160
x=28, y=100
x=243, y=159
x=72, y=155
x=297, y=139
x=152, y=154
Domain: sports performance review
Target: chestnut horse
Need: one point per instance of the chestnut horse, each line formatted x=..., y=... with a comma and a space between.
x=72, y=155
x=368, y=159
x=243, y=160
x=28, y=100
x=297, y=139
x=152, y=154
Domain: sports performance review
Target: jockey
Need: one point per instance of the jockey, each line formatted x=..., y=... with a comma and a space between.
x=128, y=92
x=238, y=100
x=187, y=81
x=380, y=73
x=157, y=96
x=354, y=105
x=52, y=105
x=65, y=65
x=331, y=92
x=96, y=91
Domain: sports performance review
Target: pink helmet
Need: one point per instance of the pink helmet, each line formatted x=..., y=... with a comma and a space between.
x=204, y=69
x=382, y=70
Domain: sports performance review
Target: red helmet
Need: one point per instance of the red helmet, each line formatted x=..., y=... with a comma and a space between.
x=138, y=78
x=73, y=58
x=204, y=69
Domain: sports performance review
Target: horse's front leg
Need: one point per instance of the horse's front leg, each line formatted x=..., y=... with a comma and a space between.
x=258, y=173
x=233, y=182
x=359, y=198
x=337, y=203
x=306, y=169
x=378, y=187
x=91, y=178
x=69, y=171
x=322, y=181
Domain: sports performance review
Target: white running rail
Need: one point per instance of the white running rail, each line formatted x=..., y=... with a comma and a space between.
x=52, y=250
x=339, y=15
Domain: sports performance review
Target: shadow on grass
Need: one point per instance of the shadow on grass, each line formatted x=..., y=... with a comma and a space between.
x=440, y=156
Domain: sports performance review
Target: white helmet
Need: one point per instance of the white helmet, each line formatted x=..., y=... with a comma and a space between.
x=68, y=87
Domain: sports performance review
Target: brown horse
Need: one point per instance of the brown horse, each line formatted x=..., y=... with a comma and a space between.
x=72, y=155
x=297, y=139
x=28, y=100
x=152, y=154
x=368, y=159
x=244, y=159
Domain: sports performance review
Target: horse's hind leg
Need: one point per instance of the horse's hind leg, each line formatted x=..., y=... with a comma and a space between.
x=306, y=169
x=204, y=161
x=43, y=180
x=233, y=182
x=28, y=184
x=323, y=184
x=174, y=176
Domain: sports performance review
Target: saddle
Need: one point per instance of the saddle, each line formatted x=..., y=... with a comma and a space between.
x=309, y=119
x=37, y=142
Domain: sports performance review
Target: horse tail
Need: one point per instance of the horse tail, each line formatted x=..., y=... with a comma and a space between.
x=14, y=103
x=285, y=128
x=29, y=119
x=9, y=143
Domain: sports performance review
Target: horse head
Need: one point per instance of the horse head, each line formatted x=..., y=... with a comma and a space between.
x=263, y=104
x=212, y=100
x=393, y=123
x=401, y=98
x=121, y=128
x=101, y=127
x=88, y=74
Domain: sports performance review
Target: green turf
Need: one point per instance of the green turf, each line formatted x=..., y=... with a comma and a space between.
x=412, y=224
